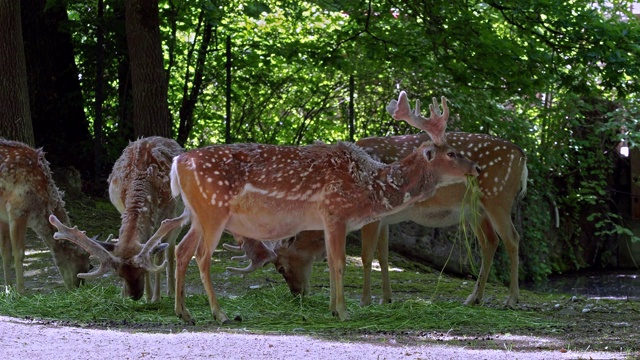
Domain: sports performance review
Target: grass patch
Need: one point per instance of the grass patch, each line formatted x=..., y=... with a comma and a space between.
x=424, y=299
x=261, y=302
x=265, y=310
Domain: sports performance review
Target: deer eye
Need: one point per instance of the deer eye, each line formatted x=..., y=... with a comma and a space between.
x=281, y=270
x=451, y=154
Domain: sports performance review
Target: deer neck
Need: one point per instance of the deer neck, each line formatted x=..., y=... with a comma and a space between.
x=403, y=183
x=137, y=220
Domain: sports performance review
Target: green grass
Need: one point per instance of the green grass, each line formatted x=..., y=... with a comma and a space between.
x=261, y=302
x=424, y=299
x=266, y=310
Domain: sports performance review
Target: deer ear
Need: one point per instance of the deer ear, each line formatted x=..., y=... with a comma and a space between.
x=429, y=153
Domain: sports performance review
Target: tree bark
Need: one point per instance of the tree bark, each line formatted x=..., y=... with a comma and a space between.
x=57, y=108
x=125, y=91
x=150, y=107
x=15, y=115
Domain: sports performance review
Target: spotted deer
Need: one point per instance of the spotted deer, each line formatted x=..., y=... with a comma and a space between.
x=503, y=179
x=271, y=192
x=28, y=195
x=139, y=188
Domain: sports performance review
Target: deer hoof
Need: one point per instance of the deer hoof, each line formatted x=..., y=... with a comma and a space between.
x=186, y=317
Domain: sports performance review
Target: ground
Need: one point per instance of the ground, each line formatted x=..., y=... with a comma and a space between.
x=594, y=329
x=38, y=340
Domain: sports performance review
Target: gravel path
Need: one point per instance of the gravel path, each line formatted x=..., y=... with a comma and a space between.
x=22, y=339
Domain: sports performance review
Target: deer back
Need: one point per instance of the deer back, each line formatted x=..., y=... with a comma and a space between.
x=258, y=186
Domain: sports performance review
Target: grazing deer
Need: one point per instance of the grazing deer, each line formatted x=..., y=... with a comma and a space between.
x=271, y=192
x=502, y=181
x=139, y=188
x=293, y=257
x=28, y=195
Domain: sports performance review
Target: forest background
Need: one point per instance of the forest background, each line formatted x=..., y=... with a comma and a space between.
x=83, y=78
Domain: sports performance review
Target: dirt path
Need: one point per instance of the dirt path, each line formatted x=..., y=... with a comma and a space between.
x=22, y=339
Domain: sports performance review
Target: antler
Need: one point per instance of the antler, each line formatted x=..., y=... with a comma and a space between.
x=144, y=258
x=255, y=251
x=435, y=125
x=107, y=261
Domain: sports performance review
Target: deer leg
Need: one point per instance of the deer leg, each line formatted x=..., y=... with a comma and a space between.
x=488, y=240
x=511, y=239
x=171, y=261
x=383, y=258
x=5, y=242
x=157, y=277
x=210, y=240
x=17, y=229
x=147, y=287
x=184, y=253
x=369, y=234
x=335, y=238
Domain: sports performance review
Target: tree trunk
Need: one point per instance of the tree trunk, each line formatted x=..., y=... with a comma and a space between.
x=57, y=107
x=125, y=92
x=150, y=108
x=15, y=115
x=98, y=144
x=190, y=96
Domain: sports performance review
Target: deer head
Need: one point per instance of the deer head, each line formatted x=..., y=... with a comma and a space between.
x=292, y=257
x=139, y=263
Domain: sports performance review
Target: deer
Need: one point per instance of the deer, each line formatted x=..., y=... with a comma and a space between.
x=28, y=195
x=139, y=189
x=503, y=181
x=292, y=257
x=272, y=192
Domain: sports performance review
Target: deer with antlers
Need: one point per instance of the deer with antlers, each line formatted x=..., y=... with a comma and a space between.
x=28, y=195
x=271, y=192
x=140, y=190
x=293, y=257
x=503, y=179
